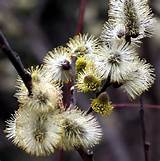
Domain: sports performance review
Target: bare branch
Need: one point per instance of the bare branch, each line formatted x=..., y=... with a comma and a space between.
x=16, y=61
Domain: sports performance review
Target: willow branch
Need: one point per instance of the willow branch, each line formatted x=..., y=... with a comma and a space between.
x=16, y=61
x=81, y=16
x=142, y=120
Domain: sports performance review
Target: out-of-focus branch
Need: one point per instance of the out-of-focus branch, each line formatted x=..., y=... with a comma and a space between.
x=16, y=61
x=81, y=16
x=146, y=145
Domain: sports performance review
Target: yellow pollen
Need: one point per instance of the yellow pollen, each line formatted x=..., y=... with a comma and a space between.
x=91, y=82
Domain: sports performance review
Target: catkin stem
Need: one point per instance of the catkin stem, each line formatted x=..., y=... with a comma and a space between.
x=16, y=61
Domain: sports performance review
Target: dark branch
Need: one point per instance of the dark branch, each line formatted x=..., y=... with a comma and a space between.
x=16, y=61
x=85, y=156
x=146, y=145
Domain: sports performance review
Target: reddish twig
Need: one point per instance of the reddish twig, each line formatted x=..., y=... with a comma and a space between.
x=134, y=105
x=81, y=16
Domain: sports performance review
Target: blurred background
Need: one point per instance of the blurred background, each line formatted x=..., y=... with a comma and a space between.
x=33, y=27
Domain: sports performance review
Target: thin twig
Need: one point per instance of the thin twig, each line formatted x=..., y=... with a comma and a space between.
x=81, y=16
x=142, y=121
x=130, y=105
x=16, y=61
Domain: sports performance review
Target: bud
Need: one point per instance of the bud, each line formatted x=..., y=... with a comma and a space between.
x=102, y=105
x=82, y=44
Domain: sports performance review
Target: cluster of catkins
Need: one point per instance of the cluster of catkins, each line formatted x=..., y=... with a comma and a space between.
x=42, y=123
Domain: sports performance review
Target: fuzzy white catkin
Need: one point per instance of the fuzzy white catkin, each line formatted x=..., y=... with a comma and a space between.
x=140, y=79
x=134, y=15
x=34, y=132
x=80, y=130
x=45, y=95
x=58, y=65
x=83, y=44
